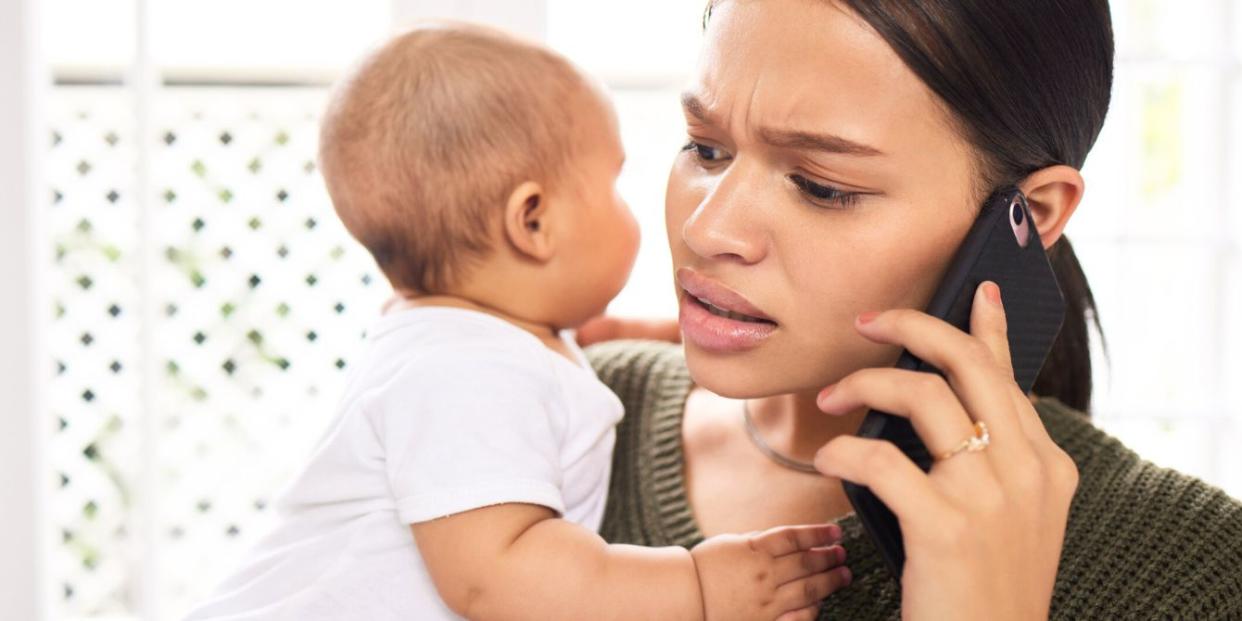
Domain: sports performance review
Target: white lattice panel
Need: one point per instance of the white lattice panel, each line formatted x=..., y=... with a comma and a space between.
x=259, y=299
x=94, y=346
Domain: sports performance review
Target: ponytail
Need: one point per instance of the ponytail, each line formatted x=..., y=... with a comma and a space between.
x=1066, y=374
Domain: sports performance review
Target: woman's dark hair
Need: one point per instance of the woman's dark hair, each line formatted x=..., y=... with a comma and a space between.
x=1028, y=82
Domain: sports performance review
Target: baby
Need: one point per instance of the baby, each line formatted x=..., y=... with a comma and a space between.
x=467, y=469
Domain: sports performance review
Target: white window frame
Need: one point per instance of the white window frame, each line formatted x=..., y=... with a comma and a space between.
x=23, y=539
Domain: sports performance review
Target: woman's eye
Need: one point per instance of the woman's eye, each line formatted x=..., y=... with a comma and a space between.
x=705, y=153
x=823, y=194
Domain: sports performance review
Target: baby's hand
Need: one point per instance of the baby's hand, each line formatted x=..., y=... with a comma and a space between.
x=781, y=573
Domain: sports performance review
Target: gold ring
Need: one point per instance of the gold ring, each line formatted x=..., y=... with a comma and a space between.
x=973, y=444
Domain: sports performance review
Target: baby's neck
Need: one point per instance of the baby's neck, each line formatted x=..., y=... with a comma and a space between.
x=546, y=334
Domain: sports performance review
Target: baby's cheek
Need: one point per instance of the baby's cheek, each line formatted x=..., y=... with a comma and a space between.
x=636, y=238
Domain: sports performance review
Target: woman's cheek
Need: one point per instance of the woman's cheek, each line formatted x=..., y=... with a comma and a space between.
x=908, y=250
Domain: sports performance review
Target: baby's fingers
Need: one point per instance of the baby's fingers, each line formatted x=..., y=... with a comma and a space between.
x=783, y=540
x=809, y=591
x=808, y=562
x=810, y=613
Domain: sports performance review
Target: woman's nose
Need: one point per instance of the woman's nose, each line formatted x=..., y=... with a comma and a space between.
x=725, y=224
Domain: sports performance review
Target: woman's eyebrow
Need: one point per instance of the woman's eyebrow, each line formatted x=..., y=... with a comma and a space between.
x=694, y=107
x=808, y=141
x=788, y=139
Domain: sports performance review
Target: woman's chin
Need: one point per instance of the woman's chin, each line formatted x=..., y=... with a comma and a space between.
x=737, y=376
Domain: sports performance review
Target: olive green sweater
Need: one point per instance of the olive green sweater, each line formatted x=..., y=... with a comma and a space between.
x=1143, y=542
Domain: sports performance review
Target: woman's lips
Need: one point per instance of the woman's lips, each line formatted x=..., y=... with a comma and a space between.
x=712, y=331
x=717, y=294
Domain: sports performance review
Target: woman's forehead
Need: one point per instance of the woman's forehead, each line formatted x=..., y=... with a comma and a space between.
x=809, y=65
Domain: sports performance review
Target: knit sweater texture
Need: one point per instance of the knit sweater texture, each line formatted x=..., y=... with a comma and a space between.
x=1142, y=542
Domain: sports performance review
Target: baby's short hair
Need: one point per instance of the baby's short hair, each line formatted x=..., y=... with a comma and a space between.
x=424, y=141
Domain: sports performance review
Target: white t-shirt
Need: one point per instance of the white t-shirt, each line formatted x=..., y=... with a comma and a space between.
x=448, y=410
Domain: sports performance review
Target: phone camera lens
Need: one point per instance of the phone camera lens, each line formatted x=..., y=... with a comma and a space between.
x=1017, y=221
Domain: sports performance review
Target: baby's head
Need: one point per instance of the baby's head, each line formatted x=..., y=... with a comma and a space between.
x=477, y=165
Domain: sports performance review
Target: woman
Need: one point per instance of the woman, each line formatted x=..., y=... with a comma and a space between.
x=838, y=152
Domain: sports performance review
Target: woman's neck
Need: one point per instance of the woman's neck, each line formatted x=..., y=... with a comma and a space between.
x=795, y=427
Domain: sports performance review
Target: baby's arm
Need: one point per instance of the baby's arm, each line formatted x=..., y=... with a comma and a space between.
x=518, y=561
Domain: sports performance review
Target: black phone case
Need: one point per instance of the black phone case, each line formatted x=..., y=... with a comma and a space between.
x=1034, y=309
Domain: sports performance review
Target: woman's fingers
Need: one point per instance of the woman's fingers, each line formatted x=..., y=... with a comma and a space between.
x=880, y=465
x=1005, y=506
x=966, y=360
x=1032, y=425
x=992, y=328
x=989, y=325
x=924, y=398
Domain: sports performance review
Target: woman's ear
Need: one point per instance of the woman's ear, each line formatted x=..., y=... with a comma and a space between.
x=526, y=223
x=1053, y=193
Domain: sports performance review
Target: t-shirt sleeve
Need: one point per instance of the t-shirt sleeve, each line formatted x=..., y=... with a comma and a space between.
x=469, y=431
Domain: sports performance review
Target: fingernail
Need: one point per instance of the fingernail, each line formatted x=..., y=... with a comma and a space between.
x=992, y=291
x=823, y=394
x=841, y=554
x=867, y=317
x=847, y=576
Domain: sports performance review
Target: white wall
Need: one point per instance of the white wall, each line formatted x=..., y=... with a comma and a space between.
x=21, y=368
x=529, y=17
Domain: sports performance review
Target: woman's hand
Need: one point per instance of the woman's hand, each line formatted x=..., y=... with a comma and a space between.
x=983, y=530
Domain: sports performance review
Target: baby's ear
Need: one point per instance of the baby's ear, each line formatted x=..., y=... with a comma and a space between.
x=526, y=222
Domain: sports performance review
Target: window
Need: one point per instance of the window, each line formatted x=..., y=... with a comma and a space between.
x=206, y=301
x=1158, y=235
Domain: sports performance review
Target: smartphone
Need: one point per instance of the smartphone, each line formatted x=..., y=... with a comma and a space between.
x=1002, y=246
